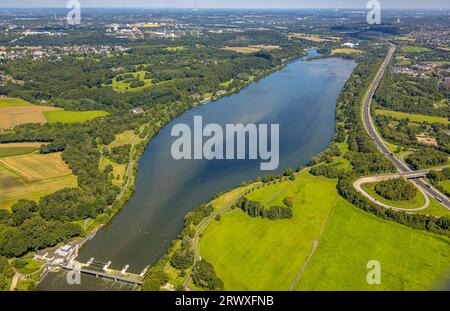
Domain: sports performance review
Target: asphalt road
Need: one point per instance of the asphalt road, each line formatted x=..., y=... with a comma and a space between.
x=371, y=130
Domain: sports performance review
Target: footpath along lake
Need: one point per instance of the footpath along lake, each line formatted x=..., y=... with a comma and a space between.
x=301, y=98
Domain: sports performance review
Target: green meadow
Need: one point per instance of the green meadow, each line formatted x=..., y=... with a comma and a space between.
x=73, y=116
x=418, y=118
x=409, y=259
x=124, y=86
x=261, y=254
x=414, y=49
x=13, y=102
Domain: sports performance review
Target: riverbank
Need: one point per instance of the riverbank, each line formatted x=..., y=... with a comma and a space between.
x=128, y=188
x=153, y=216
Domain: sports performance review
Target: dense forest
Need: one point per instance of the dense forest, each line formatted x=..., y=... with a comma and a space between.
x=396, y=189
x=401, y=92
x=84, y=84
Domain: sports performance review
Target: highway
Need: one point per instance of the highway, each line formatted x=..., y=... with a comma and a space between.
x=371, y=130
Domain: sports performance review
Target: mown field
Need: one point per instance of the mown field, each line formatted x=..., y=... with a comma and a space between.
x=8, y=152
x=12, y=116
x=32, y=177
x=346, y=51
x=37, y=166
x=409, y=259
x=260, y=254
x=74, y=116
x=14, y=111
x=418, y=118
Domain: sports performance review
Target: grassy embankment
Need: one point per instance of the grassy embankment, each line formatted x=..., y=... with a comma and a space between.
x=417, y=202
x=261, y=254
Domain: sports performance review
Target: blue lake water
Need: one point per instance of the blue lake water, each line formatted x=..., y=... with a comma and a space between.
x=301, y=98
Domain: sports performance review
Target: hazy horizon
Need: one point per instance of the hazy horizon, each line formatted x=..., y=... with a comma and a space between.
x=230, y=4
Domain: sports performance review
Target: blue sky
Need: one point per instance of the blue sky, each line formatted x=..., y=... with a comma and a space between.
x=445, y=4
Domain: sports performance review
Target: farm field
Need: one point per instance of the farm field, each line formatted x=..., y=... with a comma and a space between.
x=260, y=254
x=32, y=177
x=414, y=49
x=74, y=116
x=418, y=118
x=313, y=38
x=12, y=116
x=33, y=167
x=251, y=48
x=346, y=51
x=13, y=149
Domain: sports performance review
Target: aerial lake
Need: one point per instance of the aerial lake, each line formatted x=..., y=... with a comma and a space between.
x=301, y=98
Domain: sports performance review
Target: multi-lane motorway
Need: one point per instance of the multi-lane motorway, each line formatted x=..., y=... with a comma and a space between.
x=371, y=130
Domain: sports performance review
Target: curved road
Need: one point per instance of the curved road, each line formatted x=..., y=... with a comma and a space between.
x=422, y=185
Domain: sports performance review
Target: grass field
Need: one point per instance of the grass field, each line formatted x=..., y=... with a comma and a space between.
x=13, y=149
x=445, y=184
x=403, y=61
x=119, y=170
x=417, y=202
x=227, y=83
x=251, y=49
x=409, y=259
x=8, y=152
x=414, y=49
x=27, y=265
x=313, y=38
x=260, y=254
x=32, y=177
x=418, y=118
x=12, y=116
x=175, y=48
x=125, y=138
x=73, y=116
x=346, y=51
x=13, y=102
x=13, y=188
x=122, y=86
x=33, y=167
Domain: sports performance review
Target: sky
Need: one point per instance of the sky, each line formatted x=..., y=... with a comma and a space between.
x=423, y=4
